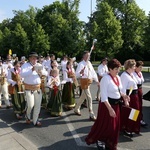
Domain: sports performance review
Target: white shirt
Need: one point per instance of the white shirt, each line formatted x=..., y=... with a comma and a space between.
x=109, y=88
x=9, y=78
x=102, y=70
x=89, y=71
x=140, y=80
x=4, y=68
x=46, y=63
x=63, y=64
x=7, y=65
x=65, y=75
x=31, y=77
x=128, y=82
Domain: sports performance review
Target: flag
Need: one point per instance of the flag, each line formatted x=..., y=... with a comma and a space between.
x=134, y=114
x=130, y=91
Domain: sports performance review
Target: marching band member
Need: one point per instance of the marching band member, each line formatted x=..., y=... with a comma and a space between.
x=101, y=71
x=31, y=72
x=68, y=95
x=23, y=60
x=107, y=126
x=4, y=85
x=55, y=102
x=63, y=63
x=17, y=94
x=139, y=77
x=43, y=84
x=46, y=62
x=86, y=72
x=129, y=84
x=53, y=65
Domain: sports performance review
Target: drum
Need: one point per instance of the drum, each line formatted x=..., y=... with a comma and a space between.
x=85, y=82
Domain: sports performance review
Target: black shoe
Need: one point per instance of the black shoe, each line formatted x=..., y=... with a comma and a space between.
x=143, y=123
x=107, y=148
x=129, y=134
x=100, y=145
x=8, y=107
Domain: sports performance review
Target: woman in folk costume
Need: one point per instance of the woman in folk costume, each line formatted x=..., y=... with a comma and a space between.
x=53, y=65
x=129, y=84
x=17, y=94
x=139, y=77
x=55, y=102
x=107, y=126
x=68, y=95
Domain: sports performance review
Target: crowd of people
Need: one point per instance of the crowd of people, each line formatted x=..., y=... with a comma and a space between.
x=36, y=82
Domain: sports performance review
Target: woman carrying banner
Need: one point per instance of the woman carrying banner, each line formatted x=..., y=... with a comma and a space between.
x=129, y=84
x=17, y=92
x=107, y=126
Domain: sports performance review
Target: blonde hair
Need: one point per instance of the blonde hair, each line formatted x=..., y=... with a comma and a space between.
x=129, y=63
x=54, y=71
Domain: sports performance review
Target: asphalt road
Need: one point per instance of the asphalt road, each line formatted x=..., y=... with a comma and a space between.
x=69, y=131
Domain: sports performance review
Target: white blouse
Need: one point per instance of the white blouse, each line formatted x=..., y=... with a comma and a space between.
x=102, y=70
x=65, y=75
x=140, y=80
x=128, y=81
x=109, y=88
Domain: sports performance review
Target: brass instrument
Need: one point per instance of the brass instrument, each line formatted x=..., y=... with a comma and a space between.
x=2, y=77
x=19, y=83
x=16, y=77
x=42, y=86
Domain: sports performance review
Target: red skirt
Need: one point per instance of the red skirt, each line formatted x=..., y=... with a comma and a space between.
x=105, y=128
x=140, y=94
x=126, y=123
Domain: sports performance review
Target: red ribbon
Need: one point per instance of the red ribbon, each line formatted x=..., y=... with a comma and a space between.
x=115, y=81
x=55, y=89
x=139, y=74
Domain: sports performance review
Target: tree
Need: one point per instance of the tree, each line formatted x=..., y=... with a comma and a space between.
x=6, y=41
x=109, y=33
x=40, y=42
x=132, y=20
x=147, y=39
x=26, y=19
x=60, y=21
x=20, y=42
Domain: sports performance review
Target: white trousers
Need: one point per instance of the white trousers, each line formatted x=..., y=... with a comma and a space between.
x=33, y=99
x=86, y=94
x=4, y=91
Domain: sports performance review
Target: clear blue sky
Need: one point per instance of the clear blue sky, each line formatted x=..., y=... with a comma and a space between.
x=6, y=7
